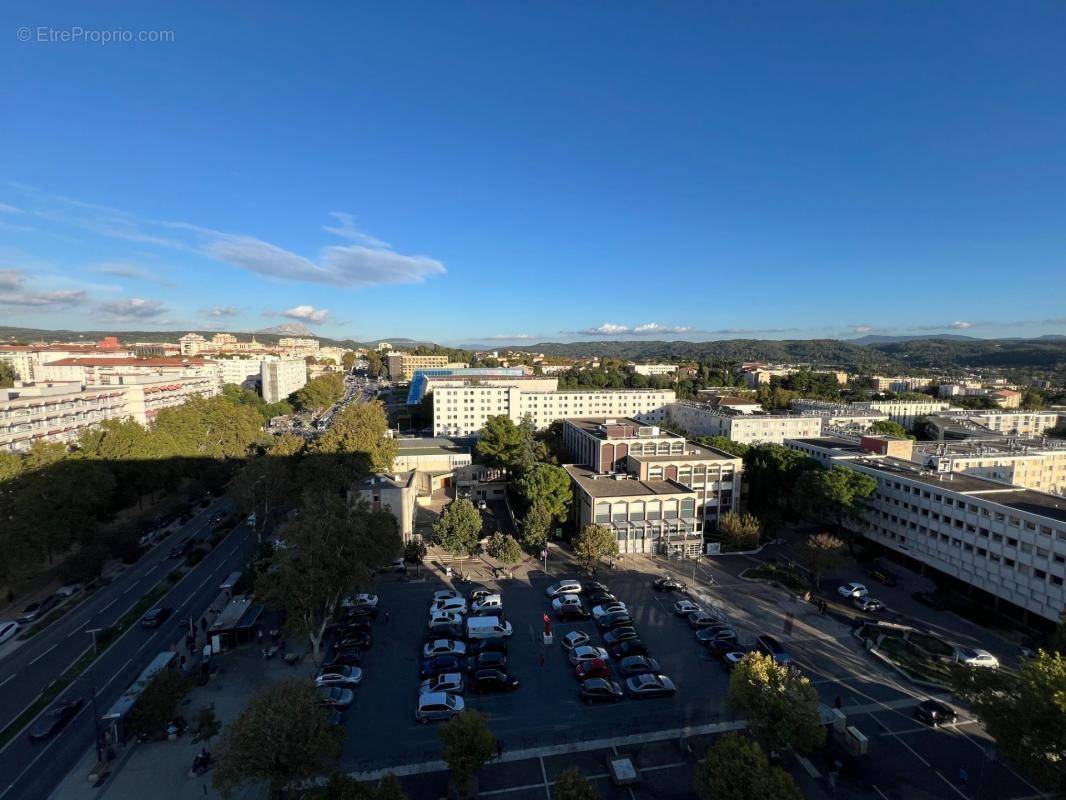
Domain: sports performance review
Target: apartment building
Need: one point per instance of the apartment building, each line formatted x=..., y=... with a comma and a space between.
x=701, y=419
x=899, y=383
x=423, y=381
x=1032, y=463
x=223, y=340
x=1004, y=545
x=1016, y=423
x=297, y=343
x=463, y=410
x=25, y=359
x=435, y=456
x=104, y=371
x=191, y=344
x=903, y=412
x=402, y=366
x=278, y=379
x=653, y=369
x=244, y=372
x=396, y=493
x=827, y=449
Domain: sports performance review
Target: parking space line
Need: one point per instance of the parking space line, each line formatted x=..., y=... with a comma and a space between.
x=9, y=678
x=958, y=791
x=882, y=794
x=544, y=773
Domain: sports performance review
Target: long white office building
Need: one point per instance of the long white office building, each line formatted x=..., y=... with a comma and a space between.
x=701, y=419
x=464, y=410
x=278, y=379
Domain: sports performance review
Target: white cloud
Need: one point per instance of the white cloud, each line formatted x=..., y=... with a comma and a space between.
x=649, y=328
x=133, y=308
x=122, y=269
x=511, y=336
x=861, y=328
x=959, y=325
x=307, y=313
x=15, y=293
x=347, y=229
x=11, y=279
x=6, y=209
x=220, y=312
x=606, y=329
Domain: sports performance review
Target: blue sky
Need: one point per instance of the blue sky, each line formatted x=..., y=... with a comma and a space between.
x=525, y=171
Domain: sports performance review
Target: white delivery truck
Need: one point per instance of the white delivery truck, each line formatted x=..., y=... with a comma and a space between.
x=487, y=628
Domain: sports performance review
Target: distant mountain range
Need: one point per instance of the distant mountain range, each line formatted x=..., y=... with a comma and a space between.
x=878, y=339
x=288, y=329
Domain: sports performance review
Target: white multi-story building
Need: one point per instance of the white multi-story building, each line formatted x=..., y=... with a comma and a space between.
x=1033, y=463
x=223, y=340
x=297, y=343
x=653, y=369
x=278, y=379
x=244, y=372
x=700, y=419
x=104, y=371
x=1016, y=423
x=191, y=344
x=1001, y=544
x=25, y=359
x=900, y=383
x=463, y=410
x=903, y=412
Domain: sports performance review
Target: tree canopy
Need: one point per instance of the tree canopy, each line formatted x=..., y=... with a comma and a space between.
x=736, y=768
x=319, y=393
x=887, y=427
x=572, y=785
x=504, y=548
x=467, y=745
x=502, y=443
x=548, y=487
x=595, y=542
x=358, y=432
x=780, y=704
x=458, y=528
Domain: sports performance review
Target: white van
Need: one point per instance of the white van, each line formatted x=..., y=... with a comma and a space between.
x=487, y=628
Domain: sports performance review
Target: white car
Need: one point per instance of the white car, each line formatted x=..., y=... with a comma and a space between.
x=455, y=604
x=482, y=505
x=489, y=602
x=574, y=639
x=852, y=589
x=443, y=647
x=586, y=652
x=9, y=629
x=685, y=607
x=566, y=601
x=445, y=594
x=448, y=682
x=976, y=657
x=437, y=706
x=342, y=675
x=445, y=618
x=365, y=599
x=563, y=587
x=608, y=608
x=69, y=590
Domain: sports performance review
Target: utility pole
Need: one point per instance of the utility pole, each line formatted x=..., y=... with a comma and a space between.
x=92, y=632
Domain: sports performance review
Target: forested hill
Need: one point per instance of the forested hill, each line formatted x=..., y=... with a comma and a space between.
x=1043, y=353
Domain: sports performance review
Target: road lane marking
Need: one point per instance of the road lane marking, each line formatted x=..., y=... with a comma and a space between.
x=46, y=652
x=10, y=678
x=544, y=774
x=959, y=791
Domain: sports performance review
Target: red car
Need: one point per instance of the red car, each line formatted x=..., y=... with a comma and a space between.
x=597, y=668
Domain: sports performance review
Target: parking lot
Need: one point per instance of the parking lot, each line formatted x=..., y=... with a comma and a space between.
x=905, y=758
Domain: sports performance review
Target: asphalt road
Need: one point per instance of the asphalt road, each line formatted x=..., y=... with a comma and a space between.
x=26, y=670
x=33, y=770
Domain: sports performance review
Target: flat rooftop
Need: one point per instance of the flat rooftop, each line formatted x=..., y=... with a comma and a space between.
x=831, y=443
x=430, y=447
x=599, y=485
x=991, y=447
x=693, y=452
x=594, y=427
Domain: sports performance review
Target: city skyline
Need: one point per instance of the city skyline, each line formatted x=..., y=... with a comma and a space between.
x=696, y=175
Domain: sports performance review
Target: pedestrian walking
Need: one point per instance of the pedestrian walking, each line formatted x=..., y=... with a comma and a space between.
x=181, y=663
x=964, y=777
x=203, y=624
x=542, y=660
x=499, y=749
x=207, y=652
x=259, y=636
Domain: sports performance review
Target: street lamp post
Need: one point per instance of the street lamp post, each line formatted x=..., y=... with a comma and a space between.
x=92, y=632
x=96, y=717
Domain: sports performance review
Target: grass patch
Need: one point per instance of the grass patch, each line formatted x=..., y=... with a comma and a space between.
x=914, y=662
x=786, y=576
x=933, y=645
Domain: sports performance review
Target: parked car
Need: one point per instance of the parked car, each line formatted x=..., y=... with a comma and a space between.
x=490, y=645
x=339, y=675
x=568, y=613
x=883, y=576
x=650, y=685
x=563, y=587
x=490, y=659
x=34, y=611
x=155, y=617
x=569, y=641
x=731, y=659
x=600, y=690
x=55, y=720
x=935, y=713
x=336, y=697
x=703, y=619
x=852, y=589
x=768, y=645
x=867, y=604
x=444, y=630
x=438, y=665
x=637, y=665
x=69, y=590
x=615, y=619
x=482, y=505
x=354, y=625
x=445, y=594
x=668, y=584
x=455, y=605
x=9, y=629
x=477, y=594
x=929, y=599
x=599, y=597
x=597, y=668
x=618, y=635
x=181, y=548
x=976, y=657
x=608, y=608
x=445, y=682
x=437, y=705
x=566, y=601
x=594, y=586
x=587, y=653
x=683, y=608
x=493, y=680
x=359, y=639
x=718, y=648
x=707, y=636
x=363, y=599
x=443, y=647
x=490, y=602
x=630, y=647
x=351, y=656
x=445, y=618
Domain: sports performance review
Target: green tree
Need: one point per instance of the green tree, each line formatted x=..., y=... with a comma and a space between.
x=333, y=550
x=210, y=427
x=724, y=443
x=1025, y=712
x=547, y=486
x=741, y=531
x=502, y=443
x=468, y=744
x=375, y=364
x=282, y=737
x=821, y=552
x=736, y=768
x=887, y=427
x=319, y=393
x=458, y=528
x=205, y=725
x=414, y=552
x=595, y=542
x=780, y=704
x=836, y=494
x=348, y=360
x=8, y=376
x=158, y=703
x=85, y=564
x=358, y=431
x=536, y=525
x=504, y=548
x=572, y=785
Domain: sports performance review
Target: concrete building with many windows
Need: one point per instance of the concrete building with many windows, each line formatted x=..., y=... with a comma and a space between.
x=1016, y=423
x=701, y=419
x=463, y=410
x=1033, y=463
x=652, y=369
x=402, y=366
x=1003, y=545
x=903, y=412
x=424, y=381
x=105, y=371
x=278, y=379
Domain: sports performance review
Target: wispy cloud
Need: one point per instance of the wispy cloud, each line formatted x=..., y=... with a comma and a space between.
x=132, y=309
x=15, y=293
x=6, y=209
x=220, y=312
x=122, y=269
x=305, y=313
x=510, y=336
x=347, y=229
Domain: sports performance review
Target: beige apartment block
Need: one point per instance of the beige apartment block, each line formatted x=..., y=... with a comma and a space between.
x=701, y=419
